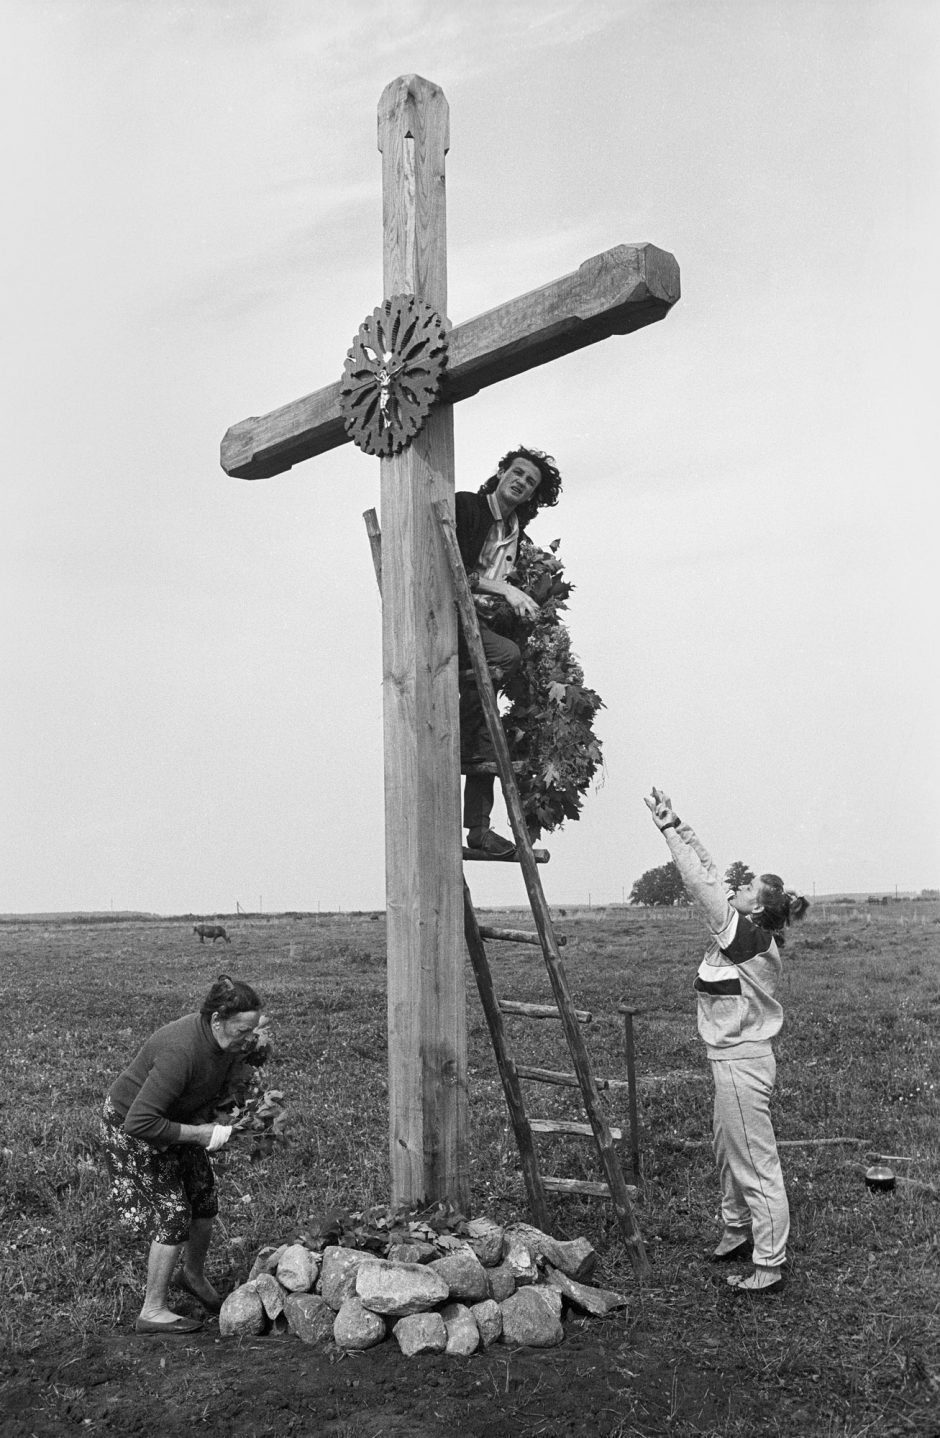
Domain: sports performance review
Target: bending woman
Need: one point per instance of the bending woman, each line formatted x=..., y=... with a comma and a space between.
x=738, y=1016
x=157, y=1143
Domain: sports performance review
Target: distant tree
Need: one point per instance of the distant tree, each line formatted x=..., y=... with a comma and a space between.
x=659, y=888
x=737, y=874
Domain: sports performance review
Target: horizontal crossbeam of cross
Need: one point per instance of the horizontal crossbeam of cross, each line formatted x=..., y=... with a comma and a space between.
x=616, y=292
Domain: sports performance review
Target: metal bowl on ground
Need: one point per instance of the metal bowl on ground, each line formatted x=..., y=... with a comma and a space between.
x=879, y=1178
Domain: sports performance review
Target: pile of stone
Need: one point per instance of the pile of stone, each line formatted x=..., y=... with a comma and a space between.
x=509, y=1285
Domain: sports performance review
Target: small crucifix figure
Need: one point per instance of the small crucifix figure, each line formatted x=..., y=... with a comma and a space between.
x=403, y=399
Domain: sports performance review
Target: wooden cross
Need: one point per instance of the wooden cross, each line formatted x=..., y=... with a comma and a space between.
x=613, y=293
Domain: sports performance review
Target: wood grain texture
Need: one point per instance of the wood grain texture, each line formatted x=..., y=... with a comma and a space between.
x=570, y=1127
x=427, y=1058
x=541, y=1011
x=616, y=292
x=571, y=1186
x=517, y=936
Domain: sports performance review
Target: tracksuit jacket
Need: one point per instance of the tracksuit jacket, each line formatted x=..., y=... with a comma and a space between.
x=738, y=1015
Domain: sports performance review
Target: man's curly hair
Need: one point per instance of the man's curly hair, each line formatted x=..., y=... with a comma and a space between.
x=549, y=488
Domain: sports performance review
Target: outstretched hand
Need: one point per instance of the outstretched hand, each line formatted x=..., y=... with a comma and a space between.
x=660, y=806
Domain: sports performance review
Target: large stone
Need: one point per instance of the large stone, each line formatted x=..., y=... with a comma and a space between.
x=551, y=1296
x=421, y=1333
x=501, y=1282
x=486, y=1239
x=529, y=1322
x=575, y=1256
x=242, y=1314
x=298, y=1268
x=309, y=1316
x=338, y=1273
x=357, y=1327
x=488, y=1317
x=416, y=1251
x=270, y=1292
x=397, y=1289
x=598, y=1302
x=463, y=1336
x=520, y=1262
x=267, y=1261
x=463, y=1273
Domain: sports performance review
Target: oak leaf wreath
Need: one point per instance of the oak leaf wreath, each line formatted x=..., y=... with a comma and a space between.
x=550, y=721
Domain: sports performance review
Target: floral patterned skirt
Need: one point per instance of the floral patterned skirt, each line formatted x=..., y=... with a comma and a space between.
x=157, y=1192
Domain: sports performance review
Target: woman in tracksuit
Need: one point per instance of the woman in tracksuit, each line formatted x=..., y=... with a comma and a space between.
x=738, y=1016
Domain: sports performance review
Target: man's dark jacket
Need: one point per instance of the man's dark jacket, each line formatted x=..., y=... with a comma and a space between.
x=474, y=520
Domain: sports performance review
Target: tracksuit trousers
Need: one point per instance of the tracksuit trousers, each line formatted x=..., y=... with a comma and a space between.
x=752, y=1190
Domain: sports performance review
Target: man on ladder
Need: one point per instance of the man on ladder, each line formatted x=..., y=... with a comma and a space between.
x=489, y=525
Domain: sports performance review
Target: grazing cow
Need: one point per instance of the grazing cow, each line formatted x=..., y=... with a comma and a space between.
x=210, y=931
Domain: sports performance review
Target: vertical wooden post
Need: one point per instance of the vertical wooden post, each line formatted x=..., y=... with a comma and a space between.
x=427, y=1058
x=630, y=1054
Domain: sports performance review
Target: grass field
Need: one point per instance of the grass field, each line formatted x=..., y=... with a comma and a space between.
x=852, y=1349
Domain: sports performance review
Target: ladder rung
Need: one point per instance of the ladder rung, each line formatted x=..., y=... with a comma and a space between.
x=582, y=1185
x=568, y=1080
x=569, y=1126
x=541, y=1011
x=518, y=936
x=541, y=856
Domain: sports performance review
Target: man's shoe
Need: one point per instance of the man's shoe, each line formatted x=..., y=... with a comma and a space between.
x=492, y=843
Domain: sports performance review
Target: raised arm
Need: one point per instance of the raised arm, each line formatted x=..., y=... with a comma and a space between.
x=699, y=872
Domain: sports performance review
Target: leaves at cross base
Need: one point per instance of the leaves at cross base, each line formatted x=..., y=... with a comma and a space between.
x=378, y=1227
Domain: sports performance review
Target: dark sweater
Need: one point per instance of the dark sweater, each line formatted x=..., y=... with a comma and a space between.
x=175, y=1078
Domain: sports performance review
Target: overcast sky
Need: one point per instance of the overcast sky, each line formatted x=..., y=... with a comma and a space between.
x=191, y=699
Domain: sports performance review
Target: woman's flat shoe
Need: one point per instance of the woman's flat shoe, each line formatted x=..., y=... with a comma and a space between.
x=734, y=1255
x=211, y=1305
x=178, y=1325
x=740, y=1285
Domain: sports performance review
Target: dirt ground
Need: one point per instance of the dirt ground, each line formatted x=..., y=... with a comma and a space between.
x=597, y=1382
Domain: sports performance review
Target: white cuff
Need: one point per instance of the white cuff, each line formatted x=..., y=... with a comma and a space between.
x=220, y=1135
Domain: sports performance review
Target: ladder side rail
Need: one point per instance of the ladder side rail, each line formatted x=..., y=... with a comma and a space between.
x=375, y=543
x=543, y=922
x=506, y=1065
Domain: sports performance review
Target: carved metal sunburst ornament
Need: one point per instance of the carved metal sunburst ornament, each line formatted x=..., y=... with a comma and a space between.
x=392, y=374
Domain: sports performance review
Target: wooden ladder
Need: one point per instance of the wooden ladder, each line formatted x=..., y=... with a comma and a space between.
x=614, y=1187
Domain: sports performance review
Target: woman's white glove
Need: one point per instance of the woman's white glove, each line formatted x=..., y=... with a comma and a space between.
x=220, y=1136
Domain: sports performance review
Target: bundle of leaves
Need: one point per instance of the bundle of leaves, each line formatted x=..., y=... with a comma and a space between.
x=550, y=722
x=247, y=1106
x=378, y=1227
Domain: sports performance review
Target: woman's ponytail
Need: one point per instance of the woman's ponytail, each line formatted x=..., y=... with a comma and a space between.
x=779, y=906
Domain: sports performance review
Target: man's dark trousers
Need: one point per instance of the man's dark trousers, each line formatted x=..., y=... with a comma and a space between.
x=475, y=742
